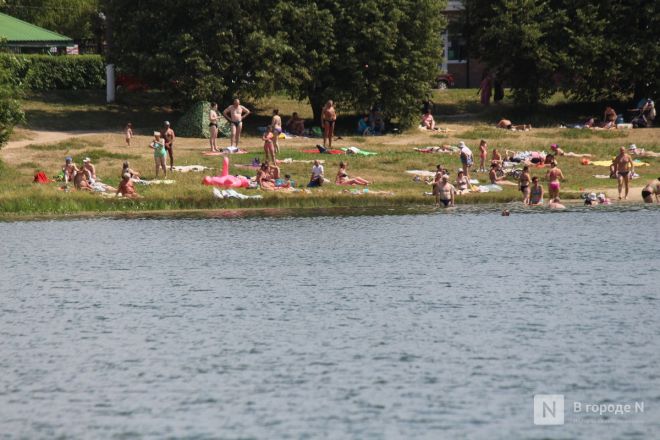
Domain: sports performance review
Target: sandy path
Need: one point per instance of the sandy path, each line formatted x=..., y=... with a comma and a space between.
x=13, y=150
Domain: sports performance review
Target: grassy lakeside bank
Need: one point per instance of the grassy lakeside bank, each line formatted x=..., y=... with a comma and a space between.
x=18, y=196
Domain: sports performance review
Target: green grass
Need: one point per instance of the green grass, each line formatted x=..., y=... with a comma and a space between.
x=68, y=145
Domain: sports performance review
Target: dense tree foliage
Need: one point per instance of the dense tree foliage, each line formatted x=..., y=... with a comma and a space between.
x=10, y=111
x=74, y=18
x=589, y=49
x=358, y=53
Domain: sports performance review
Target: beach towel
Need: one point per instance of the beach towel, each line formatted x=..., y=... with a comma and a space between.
x=357, y=151
x=326, y=151
x=232, y=194
x=490, y=188
x=421, y=173
x=154, y=182
x=190, y=168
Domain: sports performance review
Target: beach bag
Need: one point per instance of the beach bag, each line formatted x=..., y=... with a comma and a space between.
x=40, y=177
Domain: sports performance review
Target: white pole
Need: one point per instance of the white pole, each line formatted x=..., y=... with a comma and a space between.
x=110, y=83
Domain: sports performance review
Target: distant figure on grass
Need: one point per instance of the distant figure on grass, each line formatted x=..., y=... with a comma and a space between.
x=494, y=179
x=609, y=118
x=213, y=127
x=70, y=169
x=508, y=125
x=535, y=193
x=89, y=168
x=343, y=179
x=81, y=181
x=523, y=183
x=276, y=123
x=427, y=120
x=554, y=176
x=329, y=116
x=445, y=192
x=168, y=136
x=317, y=176
x=235, y=114
x=462, y=183
x=296, y=125
x=126, y=168
x=269, y=146
x=128, y=133
x=467, y=159
x=483, y=153
x=651, y=189
x=126, y=187
x=485, y=87
x=376, y=120
x=264, y=179
x=498, y=89
x=624, y=169
x=159, y=153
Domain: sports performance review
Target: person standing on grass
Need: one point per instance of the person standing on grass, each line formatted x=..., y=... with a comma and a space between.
x=554, y=176
x=159, y=153
x=276, y=123
x=523, y=183
x=466, y=158
x=235, y=114
x=168, y=137
x=624, y=168
x=329, y=116
x=485, y=87
x=483, y=153
x=269, y=147
x=213, y=127
x=128, y=132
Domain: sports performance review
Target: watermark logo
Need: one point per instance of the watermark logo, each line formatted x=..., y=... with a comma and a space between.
x=548, y=409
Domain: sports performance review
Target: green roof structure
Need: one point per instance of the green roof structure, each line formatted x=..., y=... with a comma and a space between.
x=19, y=33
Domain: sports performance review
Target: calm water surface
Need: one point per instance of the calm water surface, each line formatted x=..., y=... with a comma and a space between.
x=412, y=326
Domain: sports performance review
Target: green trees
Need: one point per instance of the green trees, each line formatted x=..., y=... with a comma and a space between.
x=588, y=49
x=73, y=18
x=10, y=111
x=358, y=53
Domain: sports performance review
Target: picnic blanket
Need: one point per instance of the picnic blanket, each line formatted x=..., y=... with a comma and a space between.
x=421, y=173
x=228, y=150
x=490, y=188
x=154, y=182
x=444, y=149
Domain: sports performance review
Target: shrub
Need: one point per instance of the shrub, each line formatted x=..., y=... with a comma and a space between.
x=47, y=72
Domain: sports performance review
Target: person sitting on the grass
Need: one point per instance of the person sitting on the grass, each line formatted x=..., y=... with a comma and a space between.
x=508, y=125
x=496, y=158
x=81, y=181
x=90, y=169
x=343, y=179
x=264, y=179
x=286, y=183
x=492, y=175
x=317, y=178
x=295, y=125
x=376, y=120
x=126, y=187
x=363, y=126
x=273, y=170
x=127, y=169
x=427, y=120
x=556, y=150
x=609, y=118
x=70, y=169
x=462, y=183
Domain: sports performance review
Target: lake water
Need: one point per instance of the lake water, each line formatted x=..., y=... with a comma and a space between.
x=441, y=325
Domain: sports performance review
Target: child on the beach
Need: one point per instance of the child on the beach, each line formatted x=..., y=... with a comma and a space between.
x=269, y=147
x=128, y=131
x=483, y=152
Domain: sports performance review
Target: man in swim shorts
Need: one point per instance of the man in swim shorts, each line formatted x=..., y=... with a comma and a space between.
x=554, y=175
x=445, y=192
x=624, y=168
x=235, y=114
x=168, y=136
x=651, y=189
x=329, y=116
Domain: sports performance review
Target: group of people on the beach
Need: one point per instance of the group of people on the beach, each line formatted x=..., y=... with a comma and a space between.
x=268, y=174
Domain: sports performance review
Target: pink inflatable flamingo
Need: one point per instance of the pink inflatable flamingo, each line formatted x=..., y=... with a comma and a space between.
x=225, y=180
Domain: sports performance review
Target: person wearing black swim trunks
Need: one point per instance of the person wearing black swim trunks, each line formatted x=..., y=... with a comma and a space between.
x=650, y=190
x=329, y=116
x=445, y=192
x=235, y=114
x=524, y=181
x=213, y=126
x=624, y=168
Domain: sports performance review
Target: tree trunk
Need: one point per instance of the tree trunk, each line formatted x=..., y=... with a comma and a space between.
x=316, y=101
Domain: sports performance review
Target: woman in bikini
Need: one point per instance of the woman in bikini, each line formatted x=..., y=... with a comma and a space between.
x=462, y=183
x=329, y=116
x=264, y=179
x=343, y=179
x=269, y=148
x=276, y=123
x=554, y=175
x=535, y=193
x=525, y=178
x=623, y=166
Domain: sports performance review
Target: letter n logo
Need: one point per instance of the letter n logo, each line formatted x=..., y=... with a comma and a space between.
x=548, y=409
